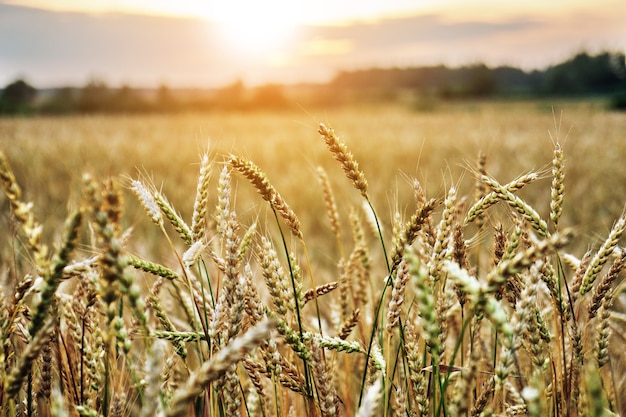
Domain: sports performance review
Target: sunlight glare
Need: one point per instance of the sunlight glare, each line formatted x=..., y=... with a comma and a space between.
x=255, y=26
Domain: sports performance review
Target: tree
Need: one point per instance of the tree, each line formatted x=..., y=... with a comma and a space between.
x=94, y=97
x=481, y=81
x=17, y=98
x=127, y=100
x=62, y=101
x=269, y=96
x=165, y=101
x=232, y=96
x=587, y=74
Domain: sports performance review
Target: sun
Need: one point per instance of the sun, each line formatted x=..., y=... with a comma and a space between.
x=255, y=26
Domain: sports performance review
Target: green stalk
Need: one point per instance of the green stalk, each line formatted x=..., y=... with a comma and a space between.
x=82, y=361
x=317, y=306
x=395, y=363
x=296, y=303
x=378, y=307
x=276, y=402
x=567, y=385
x=243, y=397
x=190, y=287
x=457, y=345
x=380, y=235
x=105, y=399
x=369, y=346
x=201, y=267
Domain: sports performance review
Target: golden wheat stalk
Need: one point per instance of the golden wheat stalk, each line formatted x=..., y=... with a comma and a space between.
x=28, y=356
x=23, y=212
x=524, y=259
x=488, y=199
x=330, y=203
x=53, y=277
x=602, y=293
x=523, y=208
x=410, y=231
x=326, y=395
x=184, y=231
x=345, y=158
x=260, y=181
x=320, y=290
x=147, y=201
x=558, y=185
x=397, y=296
x=215, y=367
x=198, y=219
x=602, y=256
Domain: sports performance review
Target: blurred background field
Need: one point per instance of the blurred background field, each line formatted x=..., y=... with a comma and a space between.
x=393, y=143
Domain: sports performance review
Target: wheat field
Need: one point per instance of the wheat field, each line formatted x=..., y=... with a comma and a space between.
x=367, y=261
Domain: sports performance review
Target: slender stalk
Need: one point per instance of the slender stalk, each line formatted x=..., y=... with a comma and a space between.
x=296, y=302
x=313, y=286
x=378, y=306
x=457, y=345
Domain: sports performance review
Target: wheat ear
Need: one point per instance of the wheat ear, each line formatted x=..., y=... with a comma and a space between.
x=558, y=185
x=518, y=204
x=487, y=200
x=410, y=232
x=602, y=293
x=331, y=205
x=23, y=212
x=26, y=359
x=215, y=367
x=198, y=220
x=345, y=158
x=600, y=258
x=147, y=201
x=260, y=181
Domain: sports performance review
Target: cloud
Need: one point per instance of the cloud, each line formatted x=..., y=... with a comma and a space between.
x=425, y=28
x=72, y=46
x=401, y=41
x=321, y=46
x=528, y=42
x=53, y=48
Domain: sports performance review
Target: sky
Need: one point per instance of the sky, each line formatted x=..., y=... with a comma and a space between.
x=208, y=43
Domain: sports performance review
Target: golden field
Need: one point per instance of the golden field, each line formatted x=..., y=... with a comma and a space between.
x=420, y=311
x=392, y=144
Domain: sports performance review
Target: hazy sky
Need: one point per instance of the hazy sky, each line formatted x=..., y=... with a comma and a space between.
x=209, y=43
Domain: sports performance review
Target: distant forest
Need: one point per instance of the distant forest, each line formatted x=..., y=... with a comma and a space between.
x=583, y=75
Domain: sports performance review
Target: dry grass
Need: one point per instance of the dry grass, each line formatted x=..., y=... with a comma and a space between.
x=384, y=296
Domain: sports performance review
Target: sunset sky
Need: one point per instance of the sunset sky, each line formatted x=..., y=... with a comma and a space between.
x=209, y=43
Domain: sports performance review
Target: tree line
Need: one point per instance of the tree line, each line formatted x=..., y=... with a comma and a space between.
x=96, y=96
x=582, y=75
